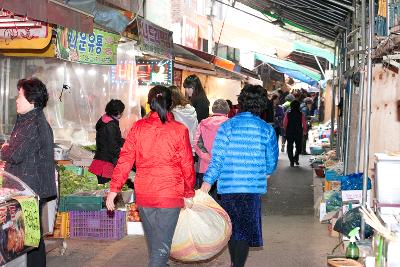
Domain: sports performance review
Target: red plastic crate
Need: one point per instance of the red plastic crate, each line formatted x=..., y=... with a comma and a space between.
x=99, y=225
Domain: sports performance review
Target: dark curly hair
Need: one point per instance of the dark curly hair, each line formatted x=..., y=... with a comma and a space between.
x=159, y=99
x=253, y=98
x=35, y=91
x=115, y=107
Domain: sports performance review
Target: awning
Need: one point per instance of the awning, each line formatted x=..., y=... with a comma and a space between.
x=48, y=11
x=313, y=50
x=292, y=69
x=187, y=58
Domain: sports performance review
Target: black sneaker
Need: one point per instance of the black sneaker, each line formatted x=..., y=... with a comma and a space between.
x=291, y=164
x=297, y=162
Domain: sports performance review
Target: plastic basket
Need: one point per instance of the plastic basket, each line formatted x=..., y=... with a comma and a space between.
x=331, y=175
x=99, y=225
x=315, y=150
x=80, y=203
x=61, y=227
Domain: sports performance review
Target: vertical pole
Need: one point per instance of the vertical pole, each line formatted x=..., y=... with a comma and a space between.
x=387, y=18
x=345, y=113
x=368, y=110
x=348, y=123
x=362, y=85
x=333, y=108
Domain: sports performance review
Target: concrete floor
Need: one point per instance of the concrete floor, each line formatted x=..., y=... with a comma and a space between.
x=292, y=235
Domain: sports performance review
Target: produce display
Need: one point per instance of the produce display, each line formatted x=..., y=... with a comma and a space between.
x=71, y=182
x=132, y=213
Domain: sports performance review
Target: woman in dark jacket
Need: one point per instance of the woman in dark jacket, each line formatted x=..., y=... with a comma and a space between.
x=295, y=126
x=108, y=141
x=29, y=154
x=197, y=95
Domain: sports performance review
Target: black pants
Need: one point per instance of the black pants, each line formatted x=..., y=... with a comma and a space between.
x=37, y=257
x=304, y=144
x=238, y=250
x=277, y=133
x=298, y=139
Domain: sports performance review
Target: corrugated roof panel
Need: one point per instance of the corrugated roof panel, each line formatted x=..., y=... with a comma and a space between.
x=323, y=18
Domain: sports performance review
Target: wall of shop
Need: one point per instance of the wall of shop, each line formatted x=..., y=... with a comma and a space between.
x=385, y=121
x=216, y=87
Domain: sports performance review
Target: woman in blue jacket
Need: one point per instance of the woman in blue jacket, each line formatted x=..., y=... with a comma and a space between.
x=245, y=152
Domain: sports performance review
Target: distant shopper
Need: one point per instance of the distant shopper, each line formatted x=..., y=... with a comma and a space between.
x=308, y=111
x=286, y=107
x=232, y=109
x=164, y=181
x=197, y=96
x=29, y=155
x=184, y=112
x=244, y=153
x=295, y=127
x=279, y=114
x=204, y=138
x=108, y=141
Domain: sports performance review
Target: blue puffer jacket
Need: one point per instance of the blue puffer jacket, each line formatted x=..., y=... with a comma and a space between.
x=245, y=151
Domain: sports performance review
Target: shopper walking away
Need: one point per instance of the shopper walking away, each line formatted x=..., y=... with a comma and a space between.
x=286, y=107
x=295, y=127
x=197, y=96
x=204, y=138
x=164, y=181
x=29, y=155
x=108, y=141
x=279, y=114
x=184, y=112
x=245, y=151
x=308, y=111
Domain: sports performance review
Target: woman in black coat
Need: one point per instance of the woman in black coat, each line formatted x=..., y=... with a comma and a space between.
x=30, y=152
x=108, y=141
x=295, y=126
x=197, y=95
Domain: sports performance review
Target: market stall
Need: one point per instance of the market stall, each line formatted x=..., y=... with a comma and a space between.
x=19, y=219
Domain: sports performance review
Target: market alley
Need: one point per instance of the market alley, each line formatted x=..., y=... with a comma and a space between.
x=293, y=236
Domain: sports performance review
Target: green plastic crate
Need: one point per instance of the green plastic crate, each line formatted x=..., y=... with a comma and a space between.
x=80, y=203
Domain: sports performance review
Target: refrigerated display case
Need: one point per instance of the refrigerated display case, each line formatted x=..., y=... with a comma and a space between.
x=19, y=217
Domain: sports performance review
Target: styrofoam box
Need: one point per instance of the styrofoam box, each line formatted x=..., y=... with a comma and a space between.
x=387, y=178
x=134, y=228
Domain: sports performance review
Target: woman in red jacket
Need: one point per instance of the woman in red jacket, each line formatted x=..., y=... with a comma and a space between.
x=164, y=181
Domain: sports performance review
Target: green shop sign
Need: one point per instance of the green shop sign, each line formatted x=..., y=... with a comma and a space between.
x=99, y=47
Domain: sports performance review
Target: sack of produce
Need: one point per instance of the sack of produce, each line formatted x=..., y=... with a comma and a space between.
x=202, y=231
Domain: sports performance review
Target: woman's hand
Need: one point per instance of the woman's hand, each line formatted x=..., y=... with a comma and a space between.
x=188, y=202
x=110, y=201
x=205, y=187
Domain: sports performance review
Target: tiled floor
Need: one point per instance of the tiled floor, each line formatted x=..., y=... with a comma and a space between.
x=293, y=237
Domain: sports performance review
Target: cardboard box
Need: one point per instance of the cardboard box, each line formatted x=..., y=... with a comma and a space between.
x=351, y=195
x=134, y=228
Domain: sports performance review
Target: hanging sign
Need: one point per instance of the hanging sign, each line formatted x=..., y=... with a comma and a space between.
x=190, y=33
x=99, y=47
x=154, y=39
x=153, y=72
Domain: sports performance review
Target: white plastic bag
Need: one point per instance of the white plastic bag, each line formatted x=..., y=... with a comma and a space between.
x=202, y=231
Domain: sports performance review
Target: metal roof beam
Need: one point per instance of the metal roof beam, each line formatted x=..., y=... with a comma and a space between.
x=307, y=14
x=337, y=13
x=351, y=8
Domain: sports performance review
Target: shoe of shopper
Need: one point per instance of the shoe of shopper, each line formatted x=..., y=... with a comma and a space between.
x=291, y=164
x=297, y=162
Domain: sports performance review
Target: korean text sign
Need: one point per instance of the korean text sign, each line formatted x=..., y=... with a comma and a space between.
x=99, y=47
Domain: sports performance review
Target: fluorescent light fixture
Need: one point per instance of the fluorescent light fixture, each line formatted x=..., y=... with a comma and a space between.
x=92, y=72
x=79, y=71
x=20, y=24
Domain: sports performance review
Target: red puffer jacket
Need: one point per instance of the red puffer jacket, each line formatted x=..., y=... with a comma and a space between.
x=164, y=163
